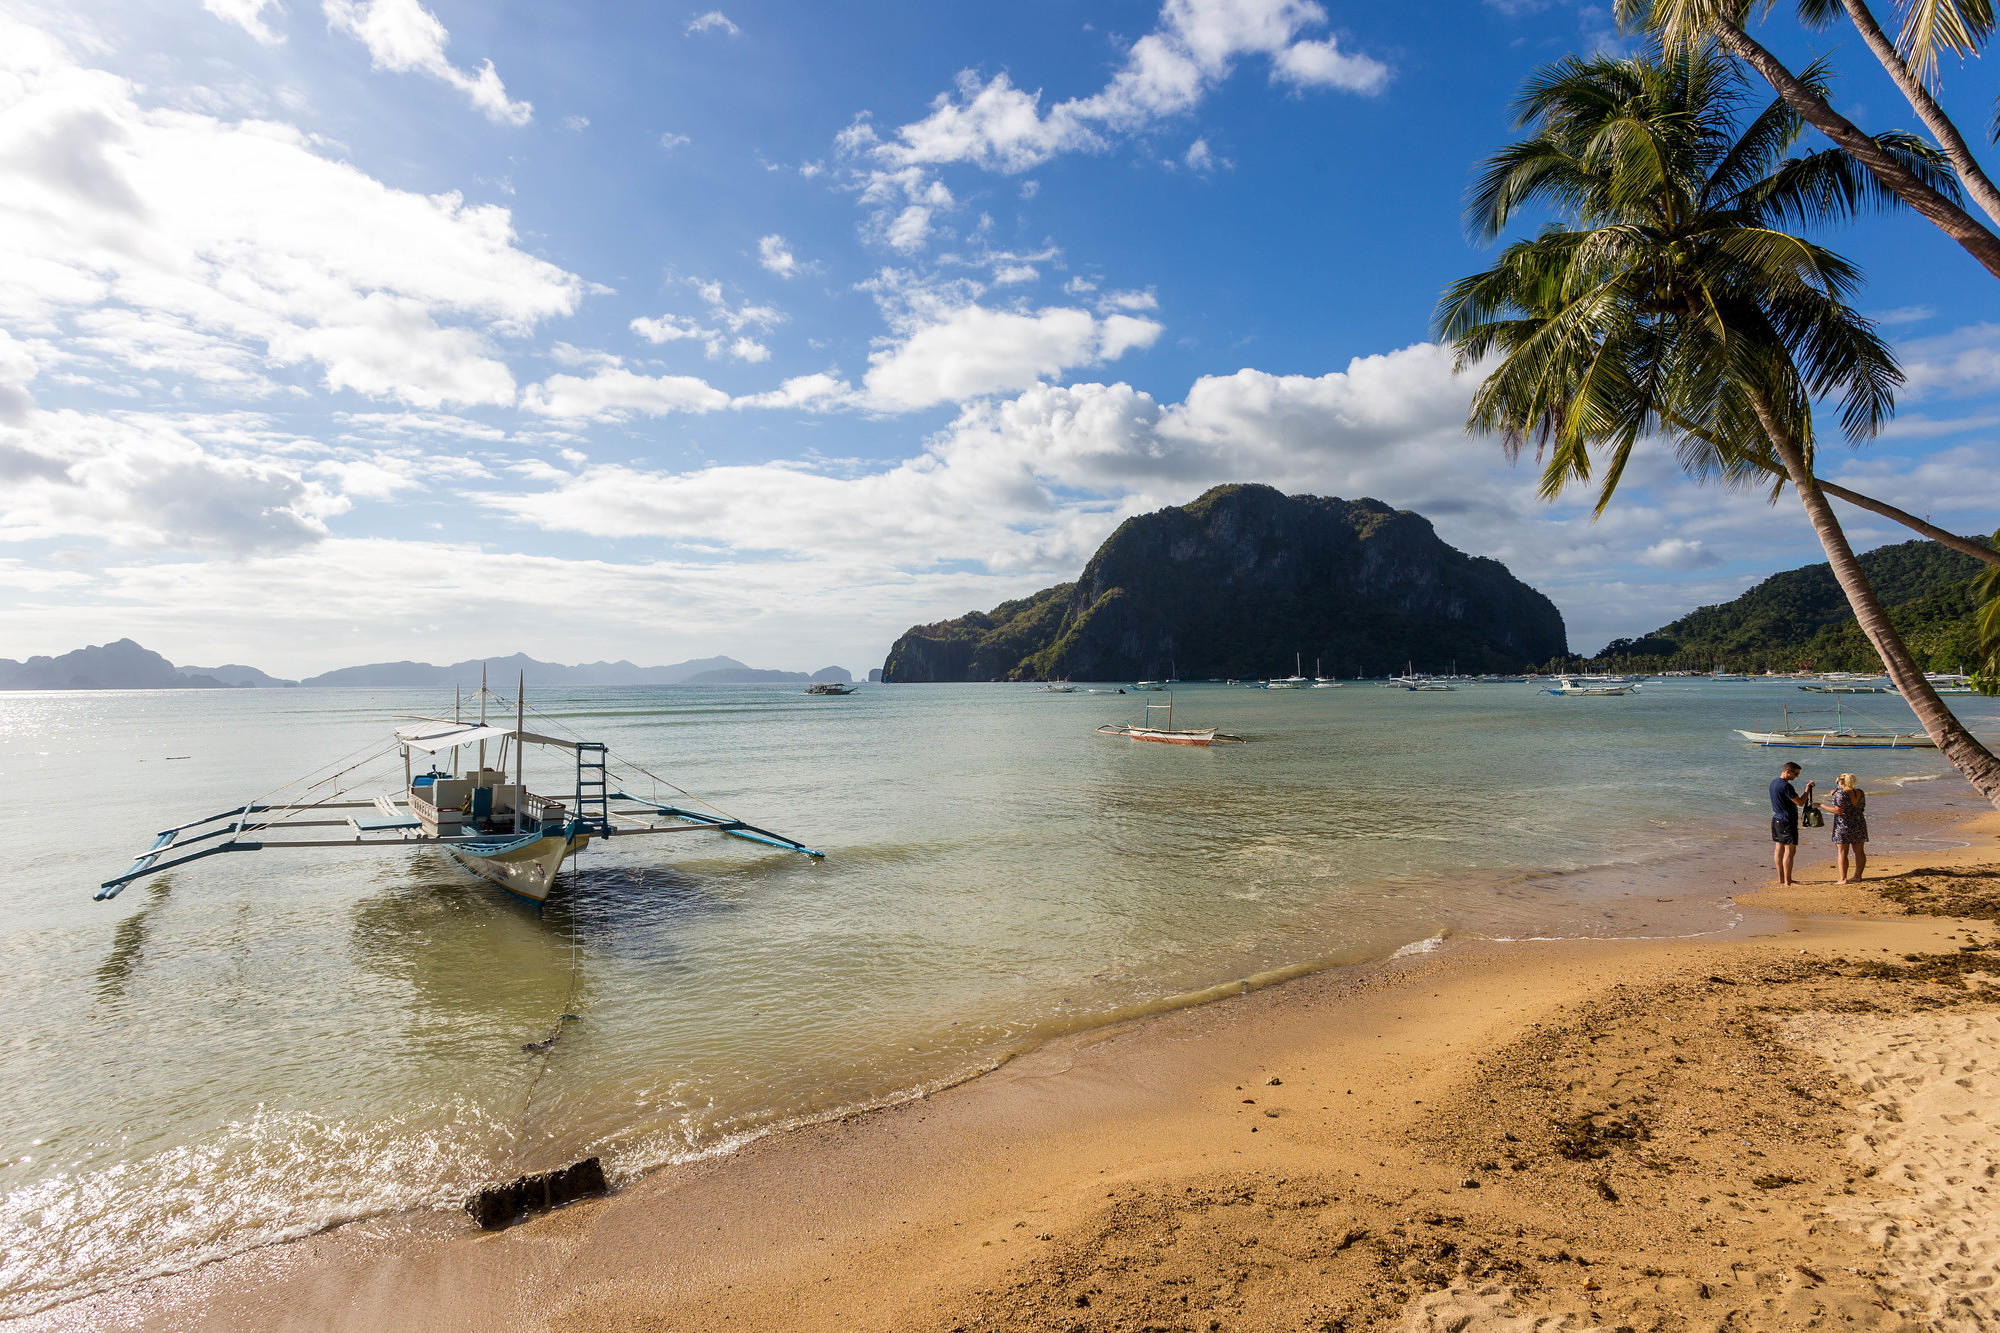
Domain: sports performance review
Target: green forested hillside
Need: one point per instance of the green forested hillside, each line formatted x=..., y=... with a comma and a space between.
x=1800, y=619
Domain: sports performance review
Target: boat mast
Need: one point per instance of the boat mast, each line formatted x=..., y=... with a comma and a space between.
x=520, y=750
x=482, y=716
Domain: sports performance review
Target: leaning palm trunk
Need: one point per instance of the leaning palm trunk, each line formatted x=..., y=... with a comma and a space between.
x=1979, y=765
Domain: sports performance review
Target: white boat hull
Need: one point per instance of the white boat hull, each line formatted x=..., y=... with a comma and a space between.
x=526, y=866
x=1838, y=740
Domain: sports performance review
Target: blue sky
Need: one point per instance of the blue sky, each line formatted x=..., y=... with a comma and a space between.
x=341, y=330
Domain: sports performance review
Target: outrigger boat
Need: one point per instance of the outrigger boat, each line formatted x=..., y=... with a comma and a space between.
x=1146, y=731
x=1594, y=686
x=829, y=687
x=494, y=827
x=1838, y=736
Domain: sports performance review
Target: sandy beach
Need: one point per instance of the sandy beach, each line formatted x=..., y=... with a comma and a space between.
x=1783, y=1126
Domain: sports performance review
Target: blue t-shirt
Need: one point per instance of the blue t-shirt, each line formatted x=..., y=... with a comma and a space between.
x=1784, y=799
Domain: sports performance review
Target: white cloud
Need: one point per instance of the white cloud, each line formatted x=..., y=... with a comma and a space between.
x=998, y=126
x=612, y=394
x=249, y=16
x=773, y=254
x=224, y=250
x=1006, y=275
x=17, y=367
x=403, y=36
x=816, y=392
x=909, y=231
x=1322, y=64
x=576, y=124
x=668, y=328
x=153, y=482
x=713, y=21
x=974, y=351
x=1200, y=157
x=730, y=319
x=670, y=141
x=1678, y=553
x=1966, y=360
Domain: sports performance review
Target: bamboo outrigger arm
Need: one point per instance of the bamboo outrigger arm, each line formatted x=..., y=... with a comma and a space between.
x=232, y=826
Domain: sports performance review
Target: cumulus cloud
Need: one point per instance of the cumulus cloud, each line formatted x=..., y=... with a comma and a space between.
x=993, y=124
x=222, y=250
x=403, y=36
x=613, y=393
x=249, y=16
x=719, y=320
x=775, y=256
x=974, y=351
x=153, y=482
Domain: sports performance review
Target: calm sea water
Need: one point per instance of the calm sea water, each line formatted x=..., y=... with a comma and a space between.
x=258, y=1046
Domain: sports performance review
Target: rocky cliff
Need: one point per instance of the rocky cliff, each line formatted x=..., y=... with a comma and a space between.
x=1238, y=582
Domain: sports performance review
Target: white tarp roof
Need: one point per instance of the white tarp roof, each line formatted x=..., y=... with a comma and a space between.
x=431, y=737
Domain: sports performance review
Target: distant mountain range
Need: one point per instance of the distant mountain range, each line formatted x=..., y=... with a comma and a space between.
x=1800, y=619
x=1247, y=581
x=124, y=665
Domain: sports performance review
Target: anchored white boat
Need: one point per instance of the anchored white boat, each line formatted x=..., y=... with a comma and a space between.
x=1167, y=735
x=494, y=827
x=1839, y=736
x=1594, y=686
x=829, y=687
x=1322, y=681
x=1295, y=681
x=1848, y=687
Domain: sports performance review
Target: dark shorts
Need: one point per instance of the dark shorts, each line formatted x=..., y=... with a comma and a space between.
x=1785, y=831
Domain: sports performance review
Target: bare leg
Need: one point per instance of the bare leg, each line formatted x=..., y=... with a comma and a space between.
x=1860, y=858
x=1778, y=860
x=1840, y=851
x=1788, y=852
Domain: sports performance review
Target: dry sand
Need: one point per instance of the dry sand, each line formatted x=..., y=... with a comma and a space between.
x=1781, y=1129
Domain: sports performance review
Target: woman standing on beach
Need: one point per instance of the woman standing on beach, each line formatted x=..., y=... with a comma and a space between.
x=1849, y=808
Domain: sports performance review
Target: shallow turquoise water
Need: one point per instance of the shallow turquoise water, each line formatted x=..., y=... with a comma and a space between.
x=258, y=1046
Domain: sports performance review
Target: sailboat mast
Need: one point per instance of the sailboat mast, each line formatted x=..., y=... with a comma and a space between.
x=520, y=750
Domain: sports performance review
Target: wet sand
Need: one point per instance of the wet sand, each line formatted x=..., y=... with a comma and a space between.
x=1779, y=1127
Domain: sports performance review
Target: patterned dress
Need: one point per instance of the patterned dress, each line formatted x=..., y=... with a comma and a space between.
x=1850, y=820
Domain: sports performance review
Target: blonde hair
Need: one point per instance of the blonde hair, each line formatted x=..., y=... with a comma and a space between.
x=1847, y=782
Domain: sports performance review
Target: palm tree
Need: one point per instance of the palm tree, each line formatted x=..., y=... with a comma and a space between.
x=1930, y=29
x=1667, y=298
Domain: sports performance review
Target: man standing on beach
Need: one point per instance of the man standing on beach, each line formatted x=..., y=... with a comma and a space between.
x=1785, y=804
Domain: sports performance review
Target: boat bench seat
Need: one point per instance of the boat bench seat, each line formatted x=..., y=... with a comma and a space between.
x=381, y=823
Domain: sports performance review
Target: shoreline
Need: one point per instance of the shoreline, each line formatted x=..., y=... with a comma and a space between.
x=1057, y=1108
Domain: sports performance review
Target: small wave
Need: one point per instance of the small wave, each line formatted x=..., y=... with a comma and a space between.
x=1415, y=947
x=1905, y=779
x=276, y=1176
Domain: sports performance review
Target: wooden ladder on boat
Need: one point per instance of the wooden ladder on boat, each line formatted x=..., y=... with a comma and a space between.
x=593, y=785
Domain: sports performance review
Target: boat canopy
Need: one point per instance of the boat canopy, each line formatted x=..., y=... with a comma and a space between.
x=432, y=736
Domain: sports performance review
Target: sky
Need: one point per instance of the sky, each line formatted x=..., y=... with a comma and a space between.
x=336, y=331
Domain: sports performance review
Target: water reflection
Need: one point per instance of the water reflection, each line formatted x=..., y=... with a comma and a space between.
x=128, y=944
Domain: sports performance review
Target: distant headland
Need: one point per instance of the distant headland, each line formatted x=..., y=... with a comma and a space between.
x=125, y=665
x=1246, y=581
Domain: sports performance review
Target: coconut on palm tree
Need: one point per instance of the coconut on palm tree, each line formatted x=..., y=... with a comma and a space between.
x=1669, y=297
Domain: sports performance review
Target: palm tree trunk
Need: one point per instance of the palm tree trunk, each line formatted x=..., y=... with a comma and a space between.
x=1971, y=546
x=1976, y=549
x=1970, y=173
x=1953, y=221
x=1979, y=765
